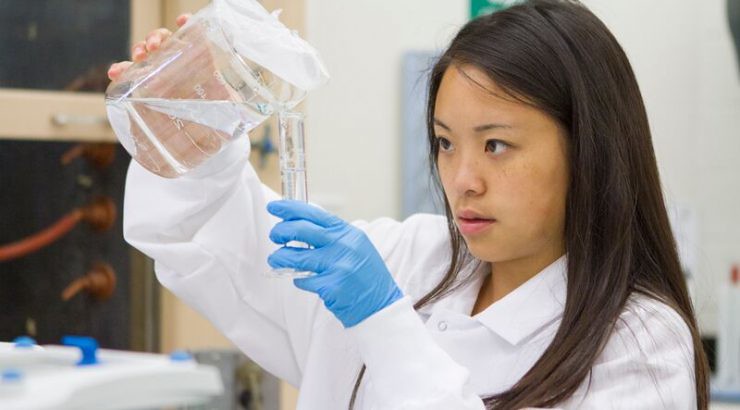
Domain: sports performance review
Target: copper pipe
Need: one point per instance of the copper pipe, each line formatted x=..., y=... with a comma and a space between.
x=99, y=214
x=72, y=154
x=99, y=282
x=99, y=155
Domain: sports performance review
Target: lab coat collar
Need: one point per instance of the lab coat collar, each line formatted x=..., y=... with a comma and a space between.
x=530, y=307
x=518, y=315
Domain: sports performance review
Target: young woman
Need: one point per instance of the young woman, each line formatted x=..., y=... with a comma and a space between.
x=552, y=281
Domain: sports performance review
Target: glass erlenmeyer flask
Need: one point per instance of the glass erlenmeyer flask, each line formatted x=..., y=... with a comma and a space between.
x=222, y=74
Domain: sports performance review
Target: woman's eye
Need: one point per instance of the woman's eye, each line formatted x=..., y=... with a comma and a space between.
x=496, y=146
x=444, y=144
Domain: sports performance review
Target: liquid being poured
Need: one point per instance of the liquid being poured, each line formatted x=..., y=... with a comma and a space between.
x=173, y=136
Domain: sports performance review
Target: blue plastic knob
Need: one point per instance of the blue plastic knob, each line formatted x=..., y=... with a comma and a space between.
x=11, y=376
x=87, y=345
x=180, y=356
x=23, y=342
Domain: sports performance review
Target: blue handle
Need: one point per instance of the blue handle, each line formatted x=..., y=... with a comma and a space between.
x=23, y=342
x=180, y=356
x=11, y=376
x=87, y=345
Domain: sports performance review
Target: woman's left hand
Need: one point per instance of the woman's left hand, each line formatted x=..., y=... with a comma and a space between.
x=351, y=277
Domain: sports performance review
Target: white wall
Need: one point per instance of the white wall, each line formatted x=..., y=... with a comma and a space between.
x=683, y=58
x=681, y=53
x=353, y=124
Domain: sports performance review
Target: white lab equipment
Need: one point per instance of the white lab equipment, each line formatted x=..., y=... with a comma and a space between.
x=728, y=340
x=223, y=73
x=79, y=376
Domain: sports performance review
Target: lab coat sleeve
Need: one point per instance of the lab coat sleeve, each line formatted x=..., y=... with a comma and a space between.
x=208, y=236
x=648, y=363
x=406, y=368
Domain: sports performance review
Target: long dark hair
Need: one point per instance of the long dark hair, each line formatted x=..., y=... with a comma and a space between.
x=561, y=58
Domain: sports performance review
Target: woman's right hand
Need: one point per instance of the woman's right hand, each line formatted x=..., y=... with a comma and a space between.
x=141, y=50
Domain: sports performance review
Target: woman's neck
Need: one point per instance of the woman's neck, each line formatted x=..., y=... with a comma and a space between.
x=506, y=276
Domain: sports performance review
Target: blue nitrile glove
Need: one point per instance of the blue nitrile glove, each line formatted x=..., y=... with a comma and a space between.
x=351, y=277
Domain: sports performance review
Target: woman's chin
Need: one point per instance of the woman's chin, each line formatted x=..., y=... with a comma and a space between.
x=486, y=251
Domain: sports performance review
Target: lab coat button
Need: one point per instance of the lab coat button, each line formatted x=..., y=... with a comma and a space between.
x=442, y=325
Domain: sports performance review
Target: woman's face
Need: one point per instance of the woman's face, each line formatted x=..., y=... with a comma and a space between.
x=504, y=169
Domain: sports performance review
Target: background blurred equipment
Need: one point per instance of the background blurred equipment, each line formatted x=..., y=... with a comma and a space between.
x=51, y=101
x=42, y=190
x=100, y=214
x=728, y=340
x=482, y=7
x=99, y=282
x=100, y=155
x=53, y=377
x=246, y=385
x=51, y=107
x=417, y=184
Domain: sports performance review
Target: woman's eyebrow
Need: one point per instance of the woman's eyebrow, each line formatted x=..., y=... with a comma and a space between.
x=441, y=124
x=479, y=128
x=486, y=127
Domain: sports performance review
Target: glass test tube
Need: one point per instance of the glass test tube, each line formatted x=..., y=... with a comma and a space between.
x=292, y=156
x=292, y=152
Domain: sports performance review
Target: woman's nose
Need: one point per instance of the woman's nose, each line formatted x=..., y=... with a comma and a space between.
x=469, y=179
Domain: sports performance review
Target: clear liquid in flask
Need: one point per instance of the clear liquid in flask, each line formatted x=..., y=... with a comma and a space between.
x=173, y=136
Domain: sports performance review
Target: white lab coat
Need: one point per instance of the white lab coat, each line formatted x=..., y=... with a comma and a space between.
x=208, y=234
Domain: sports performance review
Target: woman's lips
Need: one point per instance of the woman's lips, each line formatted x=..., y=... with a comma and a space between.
x=472, y=226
